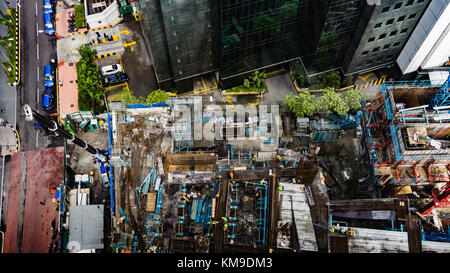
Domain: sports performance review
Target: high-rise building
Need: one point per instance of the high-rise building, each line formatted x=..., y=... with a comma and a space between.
x=386, y=32
x=233, y=38
x=428, y=49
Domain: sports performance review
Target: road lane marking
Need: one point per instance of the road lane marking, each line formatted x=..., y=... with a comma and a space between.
x=37, y=73
x=36, y=10
x=37, y=51
x=37, y=137
x=37, y=29
x=37, y=96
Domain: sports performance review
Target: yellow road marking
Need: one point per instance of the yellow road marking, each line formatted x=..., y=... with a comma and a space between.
x=365, y=77
x=129, y=44
x=125, y=31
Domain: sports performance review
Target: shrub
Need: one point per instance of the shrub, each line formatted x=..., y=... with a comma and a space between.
x=80, y=20
x=333, y=102
x=330, y=79
x=302, y=105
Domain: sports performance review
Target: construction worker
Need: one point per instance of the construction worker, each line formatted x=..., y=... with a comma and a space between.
x=224, y=219
x=279, y=157
x=225, y=227
x=231, y=175
x=215, y=222
x=280, y=188
x=270, y=250
x=262, y=182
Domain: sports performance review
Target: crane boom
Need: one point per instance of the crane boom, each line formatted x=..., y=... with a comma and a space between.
x=53, y=127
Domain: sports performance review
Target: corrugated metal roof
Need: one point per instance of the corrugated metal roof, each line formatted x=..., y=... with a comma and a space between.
x=86, y=227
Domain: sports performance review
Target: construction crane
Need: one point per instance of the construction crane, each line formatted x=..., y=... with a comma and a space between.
x=53, y=127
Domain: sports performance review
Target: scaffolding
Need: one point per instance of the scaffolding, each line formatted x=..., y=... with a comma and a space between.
x=387, y=136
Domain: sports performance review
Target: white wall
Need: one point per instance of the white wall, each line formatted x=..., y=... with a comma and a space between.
x=427, y=42
x=106, y=17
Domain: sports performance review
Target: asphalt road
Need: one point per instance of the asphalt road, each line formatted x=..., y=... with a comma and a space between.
x=37, y=50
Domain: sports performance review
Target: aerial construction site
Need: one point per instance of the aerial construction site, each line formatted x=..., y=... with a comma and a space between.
x=377, y=181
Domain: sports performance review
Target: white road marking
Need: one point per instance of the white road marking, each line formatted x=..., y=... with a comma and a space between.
x=37, y=73
x=37, y=29
x=37, y=96
x=37, y=137
x=37, y=51
x=36, y=10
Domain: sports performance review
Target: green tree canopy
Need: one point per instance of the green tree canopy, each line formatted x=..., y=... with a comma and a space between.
x=90, y=88
x=333, y=102
x=302, y=105
x=330, y=79
x=297, y=72
x=353, y=99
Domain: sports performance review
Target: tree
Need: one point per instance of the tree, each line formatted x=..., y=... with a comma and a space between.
x=302, y=105
x=90, y=88
x=333, y=102
x=297, y=72
x=257, y=80
x=348, y=80
x=288, y=11
x=330, y=79
x=353, y=99
x=157, y=96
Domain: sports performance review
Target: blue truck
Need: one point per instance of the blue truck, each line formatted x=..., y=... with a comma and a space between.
x=48, y=76
x=48, y=24
x=47, y=100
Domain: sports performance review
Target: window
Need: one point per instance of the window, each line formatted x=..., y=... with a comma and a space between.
x=401, y=18
x=369, y=61
x=420, y=1
x=371, y=39
x=386, y=46
x=404, y=30
x=393, y=33
x=390, y=56
x=409, y=3
x=365, y=53
x=412, y=16
x=376, y=49
x=358, y=65
x=378, y=25
x=397, y=6
x=396, y=44
x=390, y=21
x=382, y=36
x=379, y=59
x=386, y=9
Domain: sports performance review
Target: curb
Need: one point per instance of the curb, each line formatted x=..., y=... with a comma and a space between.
x=17, y=76
x=106, y=55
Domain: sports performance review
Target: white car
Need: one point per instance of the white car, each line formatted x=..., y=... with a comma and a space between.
x=111, y=69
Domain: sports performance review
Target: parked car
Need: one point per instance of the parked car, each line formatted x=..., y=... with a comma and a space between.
x=115, y=79
x=47, y=100
x=48, y=24
x=48, y=7
x=111, y=69
x=48, y=76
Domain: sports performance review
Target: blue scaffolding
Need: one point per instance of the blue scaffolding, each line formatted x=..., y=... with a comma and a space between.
x=442, y=97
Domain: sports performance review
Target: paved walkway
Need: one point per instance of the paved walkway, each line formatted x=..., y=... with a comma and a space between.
x=68, y=91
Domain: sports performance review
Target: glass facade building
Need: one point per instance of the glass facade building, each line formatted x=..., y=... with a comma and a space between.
x=233, y=38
